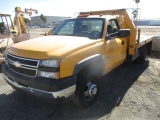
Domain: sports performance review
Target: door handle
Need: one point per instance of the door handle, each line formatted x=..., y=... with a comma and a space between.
x=122, y=42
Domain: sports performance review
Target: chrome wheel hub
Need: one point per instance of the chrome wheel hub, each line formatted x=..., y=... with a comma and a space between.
x=91, y=89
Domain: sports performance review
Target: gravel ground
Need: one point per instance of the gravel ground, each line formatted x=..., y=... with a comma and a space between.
x=130, y=92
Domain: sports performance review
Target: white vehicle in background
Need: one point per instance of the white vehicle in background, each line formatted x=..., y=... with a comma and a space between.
x=154, y=23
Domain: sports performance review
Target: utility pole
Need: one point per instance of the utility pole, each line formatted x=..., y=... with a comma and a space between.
x=137, y=1
x=135, y=12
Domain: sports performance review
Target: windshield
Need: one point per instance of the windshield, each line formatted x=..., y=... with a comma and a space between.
x=82, y=27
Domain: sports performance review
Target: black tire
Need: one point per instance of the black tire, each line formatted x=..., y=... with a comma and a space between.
x=142, y=55
x=85, y=77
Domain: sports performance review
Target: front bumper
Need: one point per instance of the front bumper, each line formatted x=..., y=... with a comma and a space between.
x=46, y=88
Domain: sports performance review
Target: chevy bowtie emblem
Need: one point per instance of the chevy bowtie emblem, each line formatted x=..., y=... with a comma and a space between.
x=17, y=64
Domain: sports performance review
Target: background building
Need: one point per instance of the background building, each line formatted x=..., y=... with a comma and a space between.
x=50, y=21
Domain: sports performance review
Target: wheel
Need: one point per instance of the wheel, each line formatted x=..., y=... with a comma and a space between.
x=94, y=34
x=87, y=88
x=142, y=55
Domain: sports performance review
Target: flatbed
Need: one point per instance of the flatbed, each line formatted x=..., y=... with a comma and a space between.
x=144, y=40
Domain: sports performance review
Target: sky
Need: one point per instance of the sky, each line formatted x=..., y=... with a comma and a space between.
x=149, y=8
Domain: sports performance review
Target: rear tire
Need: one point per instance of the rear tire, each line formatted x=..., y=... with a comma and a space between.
x=142, y=55
x=87, y=88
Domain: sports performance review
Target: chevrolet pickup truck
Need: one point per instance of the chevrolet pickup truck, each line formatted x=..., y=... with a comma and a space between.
x=70, y=63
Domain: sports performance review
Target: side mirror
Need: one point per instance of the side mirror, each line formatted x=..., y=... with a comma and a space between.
x=111, y=36
x=123, y=33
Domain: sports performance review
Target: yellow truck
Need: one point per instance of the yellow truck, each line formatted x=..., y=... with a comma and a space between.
x=70, y=63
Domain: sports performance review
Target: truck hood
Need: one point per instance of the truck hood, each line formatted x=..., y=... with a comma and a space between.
x=49, y=46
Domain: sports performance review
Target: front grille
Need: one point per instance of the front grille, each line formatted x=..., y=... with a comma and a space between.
x=24, y=61
x=25, y=66
x=24, y=71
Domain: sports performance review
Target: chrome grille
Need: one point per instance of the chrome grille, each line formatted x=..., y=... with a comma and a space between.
x=25, y=66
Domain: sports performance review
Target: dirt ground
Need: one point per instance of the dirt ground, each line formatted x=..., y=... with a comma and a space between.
x=130, y=92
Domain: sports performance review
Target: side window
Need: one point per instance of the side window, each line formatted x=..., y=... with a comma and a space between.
x=112, y=28
x=3, y=24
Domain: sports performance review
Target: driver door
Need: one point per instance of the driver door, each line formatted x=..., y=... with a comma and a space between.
x=115, y=48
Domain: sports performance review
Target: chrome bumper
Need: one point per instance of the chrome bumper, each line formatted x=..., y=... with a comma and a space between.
x=62, y=93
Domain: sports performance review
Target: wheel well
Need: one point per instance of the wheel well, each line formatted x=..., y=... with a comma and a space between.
x=94, y=63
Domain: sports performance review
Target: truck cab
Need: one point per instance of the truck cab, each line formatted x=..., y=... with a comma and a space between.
x=70, y=63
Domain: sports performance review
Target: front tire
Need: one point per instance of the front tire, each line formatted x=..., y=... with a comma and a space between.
x=87, y=88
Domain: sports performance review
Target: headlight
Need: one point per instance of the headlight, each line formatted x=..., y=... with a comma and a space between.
x=50, y=63
x=54, y=75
